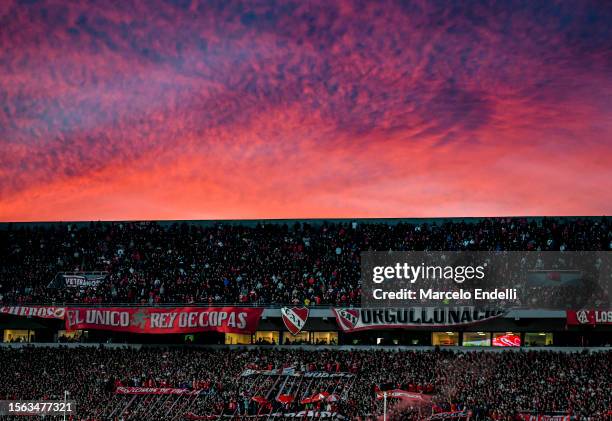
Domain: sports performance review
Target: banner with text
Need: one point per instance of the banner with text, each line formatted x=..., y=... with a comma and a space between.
x=292, y=372
x=310, y=415
x=355, y=319
x=544, y=417
x=80, y=280
x=160, y=320
x=44, y=312
x=155, y=391
x=589, y=317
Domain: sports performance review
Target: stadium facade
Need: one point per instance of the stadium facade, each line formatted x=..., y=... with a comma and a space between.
x=323, y=326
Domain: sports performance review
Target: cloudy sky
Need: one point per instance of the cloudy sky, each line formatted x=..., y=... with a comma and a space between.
x=287, y=109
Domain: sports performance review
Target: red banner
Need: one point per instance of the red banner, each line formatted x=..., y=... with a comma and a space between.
x=358, y=319
x=453, y=415
x=44, y=312
x=160, y=320
x=530, y=417
x=403, y=395
x=589, y=317
x=155, y=391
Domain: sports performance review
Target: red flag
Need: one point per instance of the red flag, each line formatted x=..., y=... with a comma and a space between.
x=285, y=399
x=260, y=399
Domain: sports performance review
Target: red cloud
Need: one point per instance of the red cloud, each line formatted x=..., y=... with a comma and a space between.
x=247, y=110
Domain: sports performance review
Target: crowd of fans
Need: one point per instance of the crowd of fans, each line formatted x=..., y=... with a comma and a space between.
x=487, y=385
x=299, y=263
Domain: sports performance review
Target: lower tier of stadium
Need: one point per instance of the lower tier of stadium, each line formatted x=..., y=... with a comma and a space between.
x=139, y=382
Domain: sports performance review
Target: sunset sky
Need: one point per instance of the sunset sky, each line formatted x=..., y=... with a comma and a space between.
x=298, y=109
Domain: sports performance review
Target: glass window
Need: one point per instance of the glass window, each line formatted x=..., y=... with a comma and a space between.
x=476, y=339
x=539, y=339
x=507, y=339
x=12, y=335
x=237, y=339
x=325, y=338
x=266, y=337
x=302, y=337
x=445, y=338
x=70, y=336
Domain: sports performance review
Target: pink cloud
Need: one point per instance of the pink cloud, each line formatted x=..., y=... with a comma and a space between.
x=319, y=110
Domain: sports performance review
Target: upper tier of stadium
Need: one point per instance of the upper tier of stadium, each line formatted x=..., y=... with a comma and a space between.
x=300, y=262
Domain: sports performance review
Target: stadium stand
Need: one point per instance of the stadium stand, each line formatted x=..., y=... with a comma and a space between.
x=316, y=263
x=254, y=268
x=254, y=383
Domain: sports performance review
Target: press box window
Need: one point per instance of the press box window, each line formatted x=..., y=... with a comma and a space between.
x=302, y=337
x=267, y=337
x=237, y=339
x=476, y=339
x=325, y=337
x=539, y=339
x=71, y=336
x=12, y=335
x=445, y=338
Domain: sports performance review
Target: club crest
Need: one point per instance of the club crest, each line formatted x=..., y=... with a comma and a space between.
x=294, y=318
x=348, y=317
x=582, y=316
